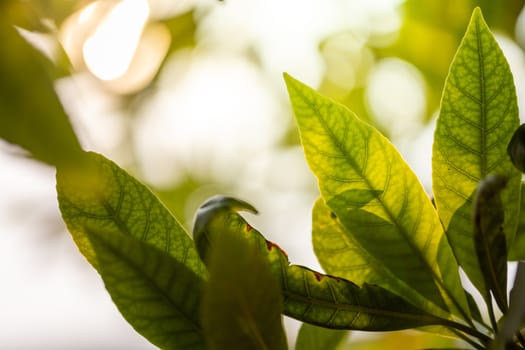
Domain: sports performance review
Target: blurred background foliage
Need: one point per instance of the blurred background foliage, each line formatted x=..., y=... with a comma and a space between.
x=188, y=96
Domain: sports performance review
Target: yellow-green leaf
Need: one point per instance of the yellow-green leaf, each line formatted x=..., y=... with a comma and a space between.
x=340, y=254
x=478, y=117
x=398, y=226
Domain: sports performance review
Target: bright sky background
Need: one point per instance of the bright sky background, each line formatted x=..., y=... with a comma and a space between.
x=215, y=114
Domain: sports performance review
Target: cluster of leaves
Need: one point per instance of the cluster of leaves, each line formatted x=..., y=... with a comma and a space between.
x=392, y=257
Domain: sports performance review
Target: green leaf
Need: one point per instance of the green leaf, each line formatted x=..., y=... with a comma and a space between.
x=489, y=238
x=334, y=302
x=156, y=294
x=341, y=255
x=346, y=155
x=242, y=303
x=31, y=115
x=104, y=197
x=478, y=116
x=516, y=148
x=310, y=296
x=517, y=248
x=312, y=337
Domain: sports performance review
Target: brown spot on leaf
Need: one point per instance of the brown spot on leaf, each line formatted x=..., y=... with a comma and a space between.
x=271, y=245
x=248, y=228
x=318, y=276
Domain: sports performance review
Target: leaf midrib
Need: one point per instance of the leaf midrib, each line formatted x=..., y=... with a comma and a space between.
x=426, y=318
x=390, y=215
x=151, y=281
x=482, y=101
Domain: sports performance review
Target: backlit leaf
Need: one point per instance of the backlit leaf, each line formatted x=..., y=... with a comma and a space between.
x=341, y=255
x=346, y=155
x=478, y=116
x=310, y=296
x=337, y=303
x=156, y=294
x=104, y=197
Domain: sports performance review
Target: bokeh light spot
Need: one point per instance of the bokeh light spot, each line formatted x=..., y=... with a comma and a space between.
x=109, y=50
x=396, y=96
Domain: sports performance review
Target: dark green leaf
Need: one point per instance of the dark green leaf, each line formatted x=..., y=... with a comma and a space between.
x=489, y=238
x=312, y=337
x=242, y=302
x=474, y=309
x=517, y=248
x=205, y=215
x=31, y=115
x=104, y=197
x=156, y=294
x=346, y=155
x=516, y=148
x=310, y=296
x=515, y=318
x=334, y=302
x=478, y=116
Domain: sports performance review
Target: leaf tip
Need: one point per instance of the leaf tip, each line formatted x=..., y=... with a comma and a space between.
x=477, y=12
x=216, y=204
x=289, y=81
x=477, y=16
x=294, y=84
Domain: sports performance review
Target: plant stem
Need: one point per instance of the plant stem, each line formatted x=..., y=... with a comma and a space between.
x=467, y=339
x=486, y=326
x=485, y=339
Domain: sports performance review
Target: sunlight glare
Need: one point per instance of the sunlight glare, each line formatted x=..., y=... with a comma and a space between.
x=150, y=52
x=109, y=51
x=87, y=13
